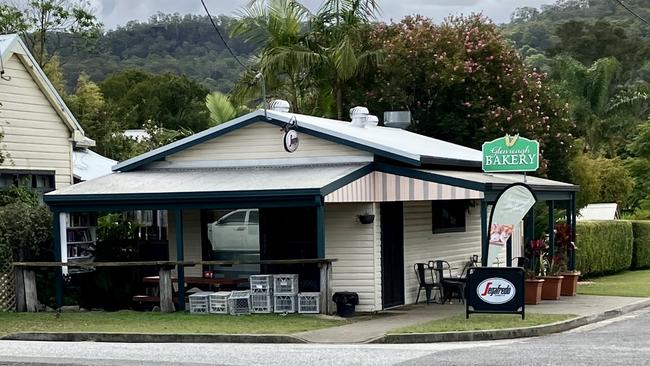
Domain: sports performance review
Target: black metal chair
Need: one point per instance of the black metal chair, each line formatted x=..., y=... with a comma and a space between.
x=450, y=286
x=424, y=283
x=519, y=262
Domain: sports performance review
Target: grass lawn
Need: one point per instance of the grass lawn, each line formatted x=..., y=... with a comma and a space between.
x=141, y=322
x=628, y=283
x=483, y=322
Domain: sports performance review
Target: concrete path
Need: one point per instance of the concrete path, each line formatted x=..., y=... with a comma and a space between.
x=383, y=322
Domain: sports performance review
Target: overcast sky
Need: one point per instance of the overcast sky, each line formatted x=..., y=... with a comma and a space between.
x=117, y=12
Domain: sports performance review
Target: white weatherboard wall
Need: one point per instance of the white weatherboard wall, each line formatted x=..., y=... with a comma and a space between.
x=191, y=239
x=421, y=245
x=356, y=246
x=35, y=137
x=261, y=140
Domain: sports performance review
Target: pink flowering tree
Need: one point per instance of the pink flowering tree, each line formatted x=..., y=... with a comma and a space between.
x=464, y=83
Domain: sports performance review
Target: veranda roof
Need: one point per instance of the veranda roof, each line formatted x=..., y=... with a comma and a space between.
x=172, y=185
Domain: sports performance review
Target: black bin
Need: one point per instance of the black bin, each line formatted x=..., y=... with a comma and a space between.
x=345, y=303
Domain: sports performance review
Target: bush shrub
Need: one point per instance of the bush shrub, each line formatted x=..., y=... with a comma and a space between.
x=604, y=247
x=641, y=246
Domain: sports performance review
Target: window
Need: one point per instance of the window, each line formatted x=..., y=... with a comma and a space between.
x=448, y=216
x=41, y=181
x=234, y=218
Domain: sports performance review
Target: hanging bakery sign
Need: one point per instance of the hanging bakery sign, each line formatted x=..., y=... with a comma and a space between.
x=511, y=154
x=290, y=139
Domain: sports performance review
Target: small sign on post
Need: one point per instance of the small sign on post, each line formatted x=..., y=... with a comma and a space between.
x=496, y=290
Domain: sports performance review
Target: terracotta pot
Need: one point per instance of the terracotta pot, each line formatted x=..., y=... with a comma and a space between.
x=569, y=283
x=533, y=291
x=552, y=287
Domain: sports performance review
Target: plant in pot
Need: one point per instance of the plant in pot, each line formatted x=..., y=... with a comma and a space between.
x=564, y=245
x=533, y=284
x=552, y=280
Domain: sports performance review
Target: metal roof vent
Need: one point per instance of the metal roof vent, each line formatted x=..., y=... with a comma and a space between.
x=397, y=119
x=359, y=115
x=372, y=120
x=279, y=105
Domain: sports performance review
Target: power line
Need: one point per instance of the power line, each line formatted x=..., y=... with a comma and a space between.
x=221, y=36
x=628, y=9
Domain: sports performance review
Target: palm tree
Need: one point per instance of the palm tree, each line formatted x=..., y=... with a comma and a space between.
x=222, y=108
x=285, y=61
x=336, y=32
x=305, y=56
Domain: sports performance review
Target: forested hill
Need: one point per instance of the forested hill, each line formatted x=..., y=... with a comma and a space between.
x=187, y=44
x=183, y=44
x=586, y=30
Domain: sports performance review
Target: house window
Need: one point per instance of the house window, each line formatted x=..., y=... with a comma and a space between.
x=41, y=182
x=448, y=216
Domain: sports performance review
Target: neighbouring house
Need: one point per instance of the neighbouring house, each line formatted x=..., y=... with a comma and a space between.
x=599, y=211
x=41, y=135
x=278, y=185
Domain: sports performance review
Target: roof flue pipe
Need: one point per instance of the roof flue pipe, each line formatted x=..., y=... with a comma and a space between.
x=279, y=105
x=359, y=116
x=397, y=119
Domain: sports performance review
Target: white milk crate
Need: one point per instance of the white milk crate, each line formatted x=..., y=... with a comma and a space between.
x=309, y=302
x=261, y=283
x=239, y=303
x=285, y=284
x=219, y=302
x=261, y=303
x=284, y=303
x=200, y=303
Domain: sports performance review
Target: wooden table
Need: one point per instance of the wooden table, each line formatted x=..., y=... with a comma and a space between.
x=189, y=280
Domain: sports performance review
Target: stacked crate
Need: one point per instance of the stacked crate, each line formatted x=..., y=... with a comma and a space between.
x=261, y=293
x=200, y=303
x=219, y=302
x=239, y=303
x=309, y=303
x=285, y=291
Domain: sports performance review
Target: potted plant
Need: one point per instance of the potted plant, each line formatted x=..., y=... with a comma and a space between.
x=366, y=218
x=533, y=284
x=533, y=288
x=552, y=281
x=564, y=245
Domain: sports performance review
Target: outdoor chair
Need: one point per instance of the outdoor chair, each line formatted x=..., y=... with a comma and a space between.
x=424, y=283
x=519, y=262
x=450, y=285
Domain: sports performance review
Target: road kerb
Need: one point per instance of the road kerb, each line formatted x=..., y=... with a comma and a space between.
x=511, y=333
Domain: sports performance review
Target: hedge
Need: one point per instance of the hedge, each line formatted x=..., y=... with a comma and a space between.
x=604, y=247
x=641, y=247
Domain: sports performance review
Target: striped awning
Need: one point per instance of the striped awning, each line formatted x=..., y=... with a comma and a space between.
x=385, y=187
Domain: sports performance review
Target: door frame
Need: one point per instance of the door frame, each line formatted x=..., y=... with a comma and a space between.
x=399, y=281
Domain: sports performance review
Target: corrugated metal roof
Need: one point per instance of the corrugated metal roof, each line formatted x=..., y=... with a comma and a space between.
x=210, y=180
x=90, y=165
x=383, y=141
x=599, y=211
x=502, y=178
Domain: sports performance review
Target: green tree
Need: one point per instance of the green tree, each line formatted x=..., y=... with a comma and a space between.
x=48, y=17
x=331, y=51
x=222, y=108
x=601, y=180
x=25, y=225
x=464, y=83
x=12, y=20
x=170, y=101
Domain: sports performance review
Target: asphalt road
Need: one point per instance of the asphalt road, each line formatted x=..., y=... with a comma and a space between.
x=621, y=341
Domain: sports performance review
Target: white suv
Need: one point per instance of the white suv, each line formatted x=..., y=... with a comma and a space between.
x=238, y=231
